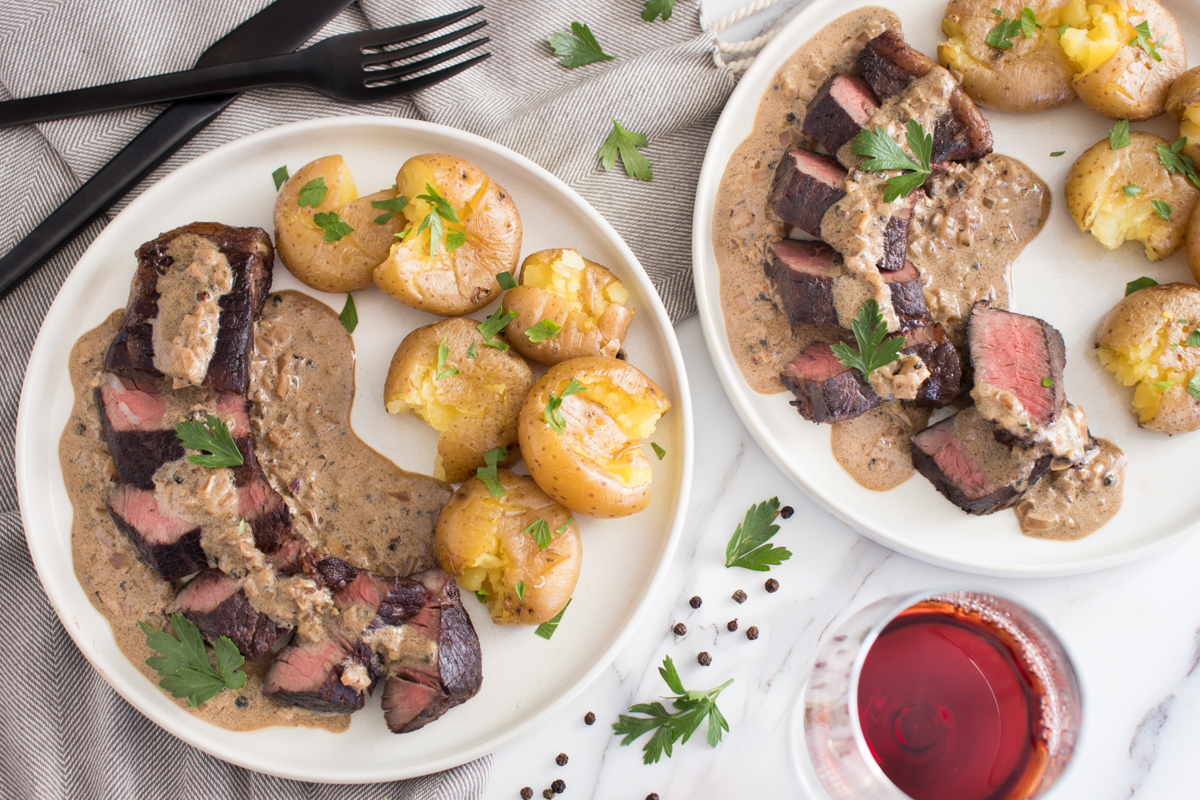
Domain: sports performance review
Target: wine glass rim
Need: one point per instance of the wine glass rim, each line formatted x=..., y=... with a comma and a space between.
x=905, y=602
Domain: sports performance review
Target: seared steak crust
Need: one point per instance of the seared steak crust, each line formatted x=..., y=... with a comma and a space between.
x=216, y=604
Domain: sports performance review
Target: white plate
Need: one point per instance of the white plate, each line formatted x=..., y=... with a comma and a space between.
x=525, y=677
x=1064, y=276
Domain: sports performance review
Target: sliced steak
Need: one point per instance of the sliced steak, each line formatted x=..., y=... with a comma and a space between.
x=394, y=600
x=888, y=64
x=895, y=233
x=169, y=544
x=183, y=259
x=944, y=383
x=803, y=275
x=840, y=109
x=139, y=439
x=293, y=557
x=416, y=694
x=266, y=513
x=827, y=390
x=333, y=573
x=216, y=604
x=964, y=461
x=806, y=185
x=311, y=676
x=908, y=299
x=1018, y=363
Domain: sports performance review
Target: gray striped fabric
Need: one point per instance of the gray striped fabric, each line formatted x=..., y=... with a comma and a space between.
x=65, y=732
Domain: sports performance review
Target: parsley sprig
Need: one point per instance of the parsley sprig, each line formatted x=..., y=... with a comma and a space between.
x=390, y=207
x=490, y=473
x=883, y=153
x=1118, y=135
x=539, y=529
x=547, y=629
x=349, y=315
x=441, y=370
x=493, y=325
x=546, y=329
x=1162, y=209
x=506, y=280
x=1142, y=38
x=184, y=665
x=577, y=48
x=553, y=414
x=875, y=348
x=334, y=226
x=691, y=709
x=280, y=176
x=654, y=8
x=625, y=143
x=440, y=211
x=213, y=439
x=312, y=194
x=1006, y=29
x=749, y=548
x=1175, y=161
x=1141, y=283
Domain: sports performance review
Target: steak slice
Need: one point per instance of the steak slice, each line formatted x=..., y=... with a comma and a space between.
x=826, y=389
x=311, y=676
x=806, y=185
x=889, y=65
x=908, y=299
x=169, y=544
x=333, y=573
x=392, y=599
x=803, y=275
x=183, y=259
x=216, y=604
x=417, y=693
x=138, y=438
x=944, y=383
x=1018, y=363
x=895, y=234
x=964, y=461
x=840, y=109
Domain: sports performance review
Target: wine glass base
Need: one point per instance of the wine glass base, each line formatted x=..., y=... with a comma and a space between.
x=801, y=761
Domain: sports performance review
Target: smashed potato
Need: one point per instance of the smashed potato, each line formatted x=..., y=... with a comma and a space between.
x=1143, y=342
x=1183, y=104
x=472, y=402
x=346, y=263
x=584, y=303
x=1112, y=194
x=581, y=430
x=480, y=237
x=489, y=544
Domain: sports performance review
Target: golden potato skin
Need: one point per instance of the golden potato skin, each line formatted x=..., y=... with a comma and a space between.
x=463, y=281
x=1035, y=75
x=570, y=467
x=475, y=410
x=1183, y=105
x=347, y=264
x=1141, y=341
x=481, y=541
x=586, y=331
x=1097, y=202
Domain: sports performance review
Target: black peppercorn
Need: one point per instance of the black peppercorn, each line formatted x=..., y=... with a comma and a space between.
x=652, y=796
x=242, y=703
x=561, y=760
x=527, y=793
x=695, y=602
x=680, y=629
x=786, y=512
x=772, y=585
x=752, y=632
x=558, y=786
x=704, y=658
x=739, y=596
x=547, y=793
x=589, y=718
x=732, y=625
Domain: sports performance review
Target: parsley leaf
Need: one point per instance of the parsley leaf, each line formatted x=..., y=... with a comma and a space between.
x=546, y=329
x=440, y=210
x=1175, y=162
x=692, y=708
x=1047, y=382
x=212, y=439
x=333, y=225
x=552, y=414
x=490, y=474
x=883, y=153
x=875, y=348
x=471, y=351
x=481, y=595
x=312, y=194
x=1142, y=39
x=1029, y=23
x=1193, y=339
x=653, y=8
x=393, y=207
x=1161, y=208
x=1194, y=386
x=520, y=588
x=562, y=528
x=1141, y=283
x=443, y=352
x=1063, y=29
x=1165, y=385
x=1118, y=136
x=1058, y=153
x=658, y=451
x=539, y=529
x=184, y=666
x=1003, y=32
x=493, y=325
x=505, y=279
x=625, y=143
x=455, y=239
x=280, y=176
x=577, y=48
x=1132, y=190
x=547, y=629
x=749, y=548
x=349, y=315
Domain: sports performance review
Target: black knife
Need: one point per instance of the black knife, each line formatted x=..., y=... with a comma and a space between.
x=279, y=28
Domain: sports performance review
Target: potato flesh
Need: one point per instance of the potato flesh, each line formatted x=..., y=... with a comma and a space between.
x=606, y=423
x=1160, y=358
x=415, y=179
x=1123, y=218
x=1189, y=126
x=564, y=276
x=1097, y=31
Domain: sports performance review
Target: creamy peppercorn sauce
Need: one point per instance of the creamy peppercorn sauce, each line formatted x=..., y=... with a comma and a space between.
x=346, y=499
x=975, y=219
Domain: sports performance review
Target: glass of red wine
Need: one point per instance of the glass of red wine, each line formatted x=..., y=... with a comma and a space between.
x=949, y=695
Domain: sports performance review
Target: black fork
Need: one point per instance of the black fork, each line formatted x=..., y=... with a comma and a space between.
x=352, y=68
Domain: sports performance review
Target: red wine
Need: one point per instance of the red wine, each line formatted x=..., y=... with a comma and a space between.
x=949, y=709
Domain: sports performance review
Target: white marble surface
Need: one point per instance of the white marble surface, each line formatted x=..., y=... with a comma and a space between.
x=1133, y=631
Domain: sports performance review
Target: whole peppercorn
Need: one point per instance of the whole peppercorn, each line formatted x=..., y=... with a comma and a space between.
x=752, y=632
x=558, y=786
x=786, y=512
x=732, y=625
x=704, y=658
x=739, y=596
x=652, y=796
x=526, y=793
x=561, y=760
x=695, y=602
x=589, y=718
x=548, y=793
x=772, y=585
x=680, y=629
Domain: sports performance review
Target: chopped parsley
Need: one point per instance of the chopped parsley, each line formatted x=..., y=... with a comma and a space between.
x=1141, y=283
x=883, y=153
x=1047, y=382
x=625, y=143
x=505, y=279
x=1063, y=29
x=212, y=439
x=1142, y=38
x=1132, y=190
x=553, y=415
x=539, y=529
x=442, y=371
x=750, y=548
x=1001, y=35
x=1193, y=339
x=471, y=351
x=520, y=589
x=184, y=666
x=1118, y=136
x=391, y=208
x=547, y=629
x=1058, y=153
x=562, y=528
x=481, y=595
x=1165, y=385
x=579, y=47
x=546, y=329
x=1161, y=208
x=440, y=211
x=334, y=226
x=493, y=325
x=1029, y=23
x=691, y=709
x=490, y=474
x=280, y=176
x=312, y=194
x=658, y=451
x=875, y=348
x=654, y=8
x=349, y=315
x=1194, y=386
x=1175, y=161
